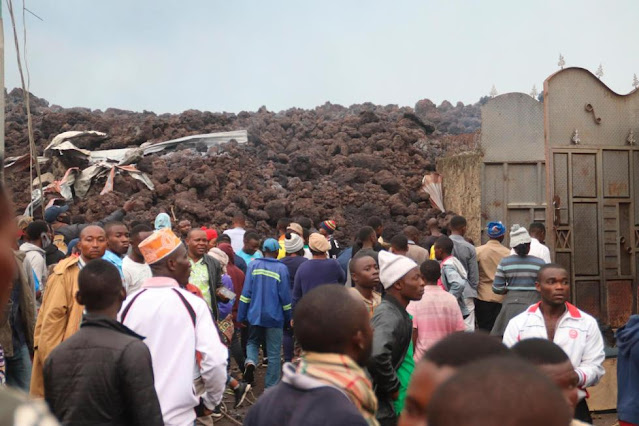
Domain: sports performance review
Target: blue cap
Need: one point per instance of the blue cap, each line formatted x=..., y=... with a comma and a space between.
x=72, y=244
x=52, y=213
x=271, y=245
x=496, y=229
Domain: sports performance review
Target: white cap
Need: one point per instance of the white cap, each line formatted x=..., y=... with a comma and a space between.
x=392, y=267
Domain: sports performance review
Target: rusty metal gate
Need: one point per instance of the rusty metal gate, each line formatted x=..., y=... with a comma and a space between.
x=596, y=223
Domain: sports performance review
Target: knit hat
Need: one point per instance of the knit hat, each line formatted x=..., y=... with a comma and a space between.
x=159, y=245
x=219, y=255
x=293, y=244
x=271, y=245
x=392, y=267
x=518, y=235
x=319, y=243
x=496, y=229
x=329, y=225
x=296, y=227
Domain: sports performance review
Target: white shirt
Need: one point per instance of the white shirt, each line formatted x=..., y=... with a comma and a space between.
x=237, y=238
x=134, y=274
x=537, y=249
x=158, y=313
x=577, y=334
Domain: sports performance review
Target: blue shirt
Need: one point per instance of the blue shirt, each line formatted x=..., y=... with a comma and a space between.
x=113, y=258
x=314, y=273
x=248, y=257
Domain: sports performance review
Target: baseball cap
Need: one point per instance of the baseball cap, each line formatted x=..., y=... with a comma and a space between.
x=52, y=213
x=271, y=245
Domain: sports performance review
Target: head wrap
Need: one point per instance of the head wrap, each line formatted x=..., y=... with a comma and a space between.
x=518, y=235
x=294, y=244
x=271, y=245
x=296, y=227
x=159, y=245
x=392, y=267
x=162, y=221
x=220, y=256
x=319, y=243
x=211, y=234
x=228, y=249
x=329, y=226
x=496, y=229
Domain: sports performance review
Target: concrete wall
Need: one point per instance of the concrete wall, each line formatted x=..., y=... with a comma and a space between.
x=512, y=129
x=462, y=189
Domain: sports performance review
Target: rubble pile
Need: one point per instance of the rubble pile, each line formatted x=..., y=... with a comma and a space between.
x=347, y=164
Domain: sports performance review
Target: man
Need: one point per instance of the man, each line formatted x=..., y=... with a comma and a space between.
x=399, y=245
x=206, y=272
x=377, y=224
x=282, y=229
x=465, y=252
x=36, y=239
x=488, y=304
x=317, y=271
x=367, y=243
x=439, y=364
x=16, y=332
x=239, y=262
x=433, y=228
x=266, y=305
x=365, y=278
x=416, y=252
x=453, y=275
x=573, y=330
x=537, y=232
x=103, y=374
x=515, y=277
x=176, y=324
x=628, y=372
x=60, y=314
x=553, y=362
x=184, y=226
x=117, y=243
x=250, y=249
x=237, y=232
x=437, y=314
x=327, y=229
x=504, y=386
x=134, y=270
x=294, y=247
x=59, y=219
x=328, y=386
x=391, y=363
x=16, y=409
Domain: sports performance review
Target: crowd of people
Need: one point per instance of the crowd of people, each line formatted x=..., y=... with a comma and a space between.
x=114, y=322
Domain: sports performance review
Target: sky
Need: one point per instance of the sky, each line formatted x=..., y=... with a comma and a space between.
x=170, y=56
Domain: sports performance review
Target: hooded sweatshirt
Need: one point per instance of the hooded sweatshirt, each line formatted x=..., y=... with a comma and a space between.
x=628, y=371
x=455, y=281
x=37, y=258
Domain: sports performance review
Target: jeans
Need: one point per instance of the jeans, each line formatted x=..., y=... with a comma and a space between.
x=19, y=368
x=273, y=339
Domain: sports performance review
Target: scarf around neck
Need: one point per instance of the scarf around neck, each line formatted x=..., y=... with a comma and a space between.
x=342, y=372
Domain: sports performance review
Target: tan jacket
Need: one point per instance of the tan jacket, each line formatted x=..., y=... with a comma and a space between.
x=488, y=256
x=59, y=318
x=417, y=253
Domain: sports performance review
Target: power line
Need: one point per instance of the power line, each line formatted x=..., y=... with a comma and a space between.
x=33, y=14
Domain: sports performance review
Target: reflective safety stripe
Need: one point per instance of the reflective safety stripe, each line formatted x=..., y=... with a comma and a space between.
x=287, y=307
x=245, y=299
x=266, y=273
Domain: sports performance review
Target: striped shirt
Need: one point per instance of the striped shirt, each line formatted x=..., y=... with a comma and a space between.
x=517, y=273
